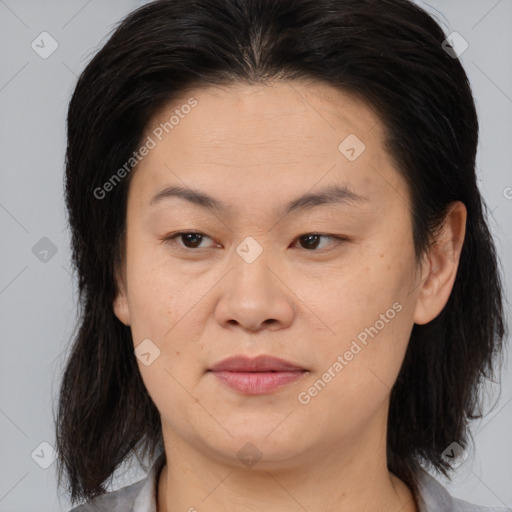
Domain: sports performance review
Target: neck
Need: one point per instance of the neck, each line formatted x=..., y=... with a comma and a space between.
x=326, y=481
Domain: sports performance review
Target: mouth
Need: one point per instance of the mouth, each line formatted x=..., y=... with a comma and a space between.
x=260, y=375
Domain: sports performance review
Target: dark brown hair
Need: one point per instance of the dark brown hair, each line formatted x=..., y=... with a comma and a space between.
x=387, y=52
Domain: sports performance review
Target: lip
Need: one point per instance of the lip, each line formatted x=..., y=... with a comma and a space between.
x=257, y=375
x=261, y=363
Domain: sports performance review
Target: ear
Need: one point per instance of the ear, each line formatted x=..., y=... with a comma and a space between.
x=120, y=305
x=440, y=265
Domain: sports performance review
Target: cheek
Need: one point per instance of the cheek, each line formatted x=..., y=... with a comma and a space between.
x=168, y=307
x=366, y=320
x=357, y=293
x=357, y=367
x=158, y=294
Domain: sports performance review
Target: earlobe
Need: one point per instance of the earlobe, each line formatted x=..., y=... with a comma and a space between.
x=120, y=305
x=440, y=265
x=121, y=309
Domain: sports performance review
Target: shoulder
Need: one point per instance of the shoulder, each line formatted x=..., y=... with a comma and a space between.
x=121, y=500
x=433, y=497
x=137, y=497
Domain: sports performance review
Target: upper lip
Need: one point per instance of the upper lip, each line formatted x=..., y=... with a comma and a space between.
x=259, y=363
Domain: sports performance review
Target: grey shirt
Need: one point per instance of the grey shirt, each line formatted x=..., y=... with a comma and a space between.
x=141, y=496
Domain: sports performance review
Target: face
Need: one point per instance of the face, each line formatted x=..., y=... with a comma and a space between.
x=328, y=283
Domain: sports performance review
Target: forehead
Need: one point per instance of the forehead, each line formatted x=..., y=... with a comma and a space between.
x=275, y=114
x=265, y=138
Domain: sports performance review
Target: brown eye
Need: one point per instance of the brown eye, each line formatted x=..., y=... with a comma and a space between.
x=310, y=241
x=189, y=239
x=192, y=240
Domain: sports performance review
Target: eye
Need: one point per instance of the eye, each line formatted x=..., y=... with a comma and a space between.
x=310, y=240
x=191, y=239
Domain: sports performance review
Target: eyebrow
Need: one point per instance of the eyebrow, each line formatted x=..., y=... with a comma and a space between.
x=333, y=194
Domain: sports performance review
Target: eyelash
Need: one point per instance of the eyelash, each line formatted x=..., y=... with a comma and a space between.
x=171, y=239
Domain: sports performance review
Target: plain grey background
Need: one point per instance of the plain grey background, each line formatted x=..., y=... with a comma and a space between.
x=37, y=292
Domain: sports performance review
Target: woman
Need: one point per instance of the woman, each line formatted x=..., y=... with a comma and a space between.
x=289, y=291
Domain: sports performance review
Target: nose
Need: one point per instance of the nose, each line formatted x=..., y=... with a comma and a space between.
x=255, y=296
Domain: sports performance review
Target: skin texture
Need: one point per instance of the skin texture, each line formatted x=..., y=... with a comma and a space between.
x=255, y=148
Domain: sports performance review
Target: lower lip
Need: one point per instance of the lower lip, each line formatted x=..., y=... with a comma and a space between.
x=255, y=383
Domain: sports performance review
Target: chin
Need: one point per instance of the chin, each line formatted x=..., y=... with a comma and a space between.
x=261, y=447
